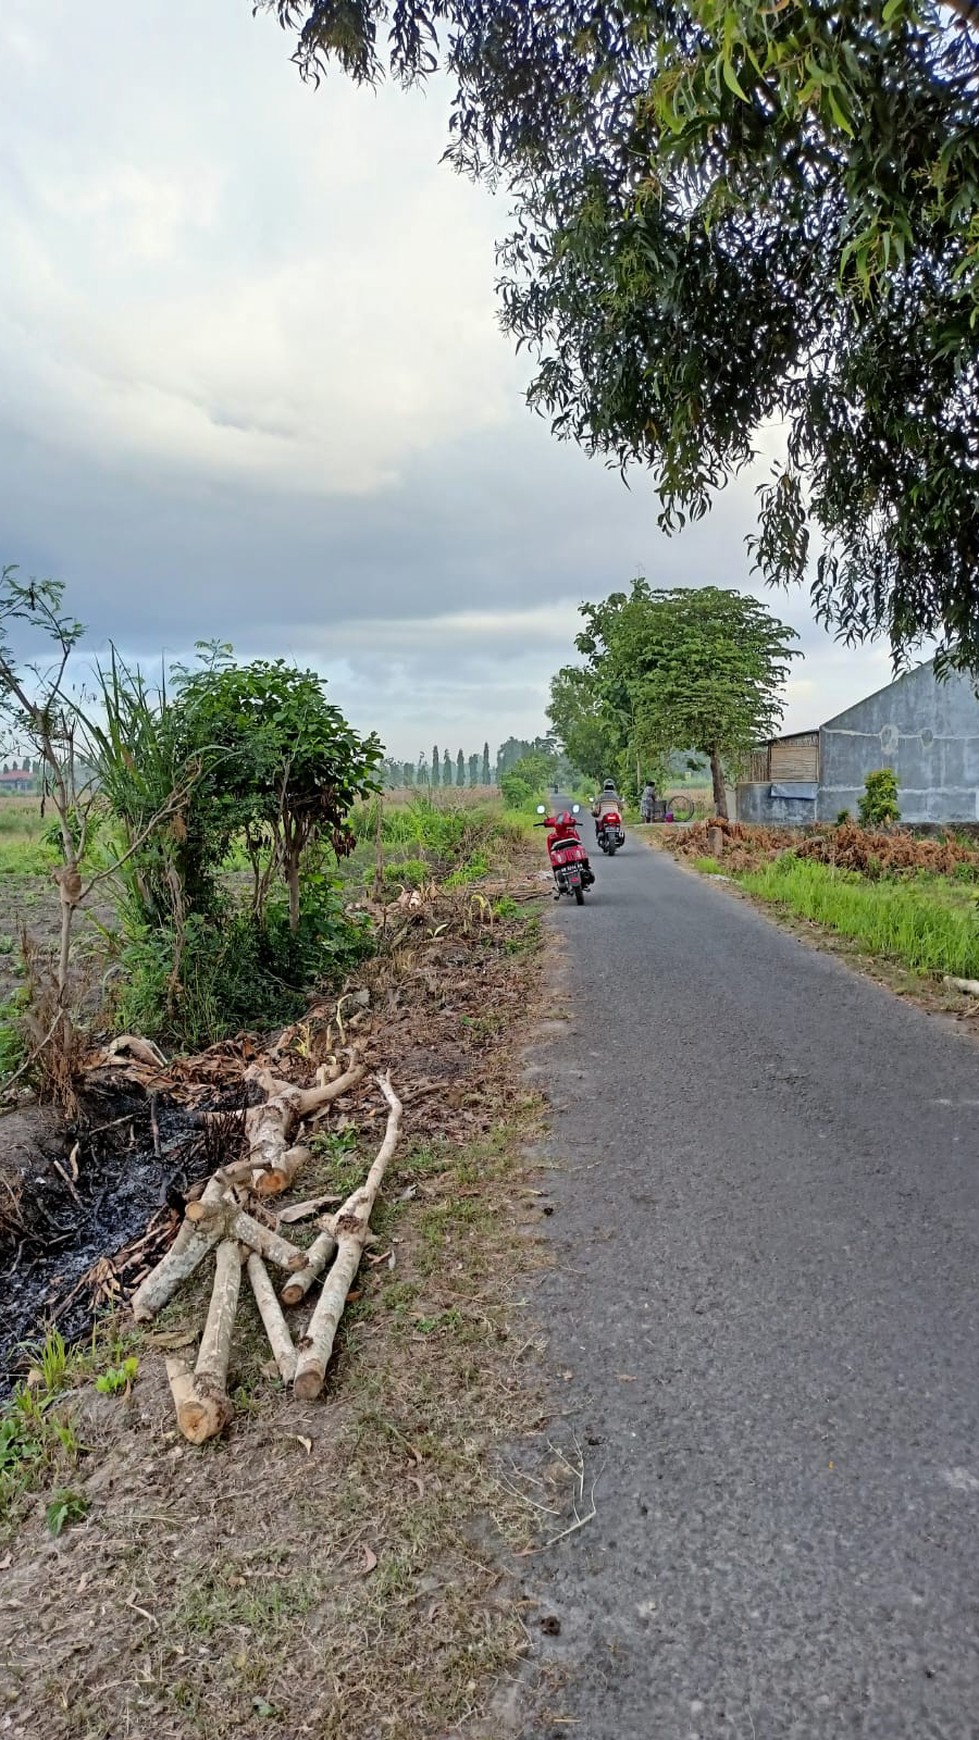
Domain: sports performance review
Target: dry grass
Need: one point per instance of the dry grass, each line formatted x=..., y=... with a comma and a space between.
x=331, y=1568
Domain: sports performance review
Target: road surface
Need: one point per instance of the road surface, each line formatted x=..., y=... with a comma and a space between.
x=764, y=1334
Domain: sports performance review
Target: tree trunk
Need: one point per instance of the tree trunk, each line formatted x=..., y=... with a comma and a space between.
x=69, y=888
x=292, y=878
x=352, y=1231
x=717, y=781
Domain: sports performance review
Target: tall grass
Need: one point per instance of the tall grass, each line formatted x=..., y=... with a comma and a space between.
x=924, y=924
x=426, y=827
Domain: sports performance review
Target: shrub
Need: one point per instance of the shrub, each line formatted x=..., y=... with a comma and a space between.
x=243, y=971
x=517, y=793
x=878, y=807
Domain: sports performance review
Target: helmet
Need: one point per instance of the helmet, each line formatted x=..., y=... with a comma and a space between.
x=609, y=785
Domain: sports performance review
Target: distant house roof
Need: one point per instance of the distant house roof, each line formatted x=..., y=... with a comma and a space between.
x=17, y=776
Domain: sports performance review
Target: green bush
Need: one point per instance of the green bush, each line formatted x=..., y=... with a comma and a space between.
x=878, y=807
x=518, y=794
x=408, y=872
x=240, y=972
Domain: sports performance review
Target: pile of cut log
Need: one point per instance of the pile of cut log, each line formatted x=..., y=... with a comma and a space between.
x=231, y=1220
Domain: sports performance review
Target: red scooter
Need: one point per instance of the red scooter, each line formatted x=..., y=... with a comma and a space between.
x=569, y=860
x=609, y=832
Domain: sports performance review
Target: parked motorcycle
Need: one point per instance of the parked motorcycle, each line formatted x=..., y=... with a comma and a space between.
x=569, y=860
x=609, y=832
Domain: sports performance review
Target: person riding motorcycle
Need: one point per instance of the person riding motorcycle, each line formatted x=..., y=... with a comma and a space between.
x=607, y=799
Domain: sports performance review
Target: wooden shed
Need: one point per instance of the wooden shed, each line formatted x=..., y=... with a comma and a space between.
x=787, y=760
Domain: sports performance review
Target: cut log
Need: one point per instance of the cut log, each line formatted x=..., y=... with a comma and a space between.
x=270, y=1311
x=352, y=1231
x=315, y=1260
x=206, y=1410
x=181, y=1381
x=279, y=1177
x=267, y=1243
x=270, y=1127
x=189, y=1249
x=224, y=1219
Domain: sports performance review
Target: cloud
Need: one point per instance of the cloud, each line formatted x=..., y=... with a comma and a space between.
x=254, y=387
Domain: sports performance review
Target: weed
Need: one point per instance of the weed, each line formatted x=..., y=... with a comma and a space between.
x=34, y=1440
x=64, y=1508
x=12, y=1047
x=406, y=872
x=119, y=1379
x=475, y=867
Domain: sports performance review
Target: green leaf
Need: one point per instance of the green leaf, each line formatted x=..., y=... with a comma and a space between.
x=731, y=79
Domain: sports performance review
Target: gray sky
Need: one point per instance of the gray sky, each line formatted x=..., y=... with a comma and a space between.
x=252, y=386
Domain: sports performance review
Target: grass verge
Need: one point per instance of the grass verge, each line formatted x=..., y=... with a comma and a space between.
x=928, y=925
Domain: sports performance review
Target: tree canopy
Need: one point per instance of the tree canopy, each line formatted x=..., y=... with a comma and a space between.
x=730, y=215
x=699, y=668
x=282, y=763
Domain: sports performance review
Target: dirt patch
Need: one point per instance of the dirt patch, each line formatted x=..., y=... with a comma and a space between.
x=332, y=1568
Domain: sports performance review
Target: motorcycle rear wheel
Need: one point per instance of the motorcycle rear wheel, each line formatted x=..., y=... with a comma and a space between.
x=579, y=894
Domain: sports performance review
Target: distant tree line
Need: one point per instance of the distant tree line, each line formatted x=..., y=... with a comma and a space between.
x=443, y=769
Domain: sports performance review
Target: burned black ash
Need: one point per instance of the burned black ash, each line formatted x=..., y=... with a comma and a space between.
x=86, y=1210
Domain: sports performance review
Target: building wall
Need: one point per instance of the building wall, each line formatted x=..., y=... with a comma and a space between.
x=764, y=804
x=927, y=731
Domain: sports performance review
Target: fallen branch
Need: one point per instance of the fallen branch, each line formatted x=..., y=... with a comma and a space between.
x=320, y=1253
x=206, y=1409
x=270, y=1311
x=352, y=1231
x=273, y=1161
x=188, y=1250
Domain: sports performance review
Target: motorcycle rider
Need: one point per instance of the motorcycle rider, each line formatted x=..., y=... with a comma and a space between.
x=607, y=799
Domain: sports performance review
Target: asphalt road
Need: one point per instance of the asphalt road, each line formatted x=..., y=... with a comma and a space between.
x=764, y=1334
